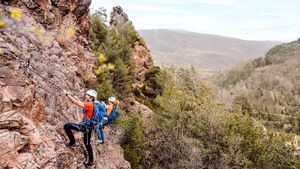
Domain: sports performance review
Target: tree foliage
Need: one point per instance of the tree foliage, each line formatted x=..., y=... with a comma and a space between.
x=98, y=29
x=129, y=33
x=114, y=56
x=134, y=142
x=269, y=85
x=193, y=130
x=115, y=46
x=122, y=79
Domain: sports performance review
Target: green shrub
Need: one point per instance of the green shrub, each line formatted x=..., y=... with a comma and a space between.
x=115, y=46
x=98, y=30
x=193, y=130
x=105, y=90
x=121, y=79
x=129, y=33
x=242, y=103
x=135, y=141
x=151, y=88
x=114, y=52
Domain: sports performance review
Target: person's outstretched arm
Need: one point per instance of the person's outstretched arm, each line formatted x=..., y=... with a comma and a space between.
x=74, y=100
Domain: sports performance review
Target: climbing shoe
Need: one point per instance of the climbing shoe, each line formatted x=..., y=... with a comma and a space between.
x=88, y=163
x=72, y=146
x=98, y=141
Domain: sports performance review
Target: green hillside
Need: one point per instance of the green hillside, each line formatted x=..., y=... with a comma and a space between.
x=267, y=88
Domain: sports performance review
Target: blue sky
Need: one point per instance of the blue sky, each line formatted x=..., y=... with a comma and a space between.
x=245, y=19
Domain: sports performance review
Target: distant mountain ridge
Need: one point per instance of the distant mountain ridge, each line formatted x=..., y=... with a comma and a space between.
x=204, y=51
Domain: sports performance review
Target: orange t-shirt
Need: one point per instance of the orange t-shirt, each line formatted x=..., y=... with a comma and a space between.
x=88, y=111
x=108, y=109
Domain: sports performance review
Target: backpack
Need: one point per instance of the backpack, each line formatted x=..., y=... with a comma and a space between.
x=99, y=112
x=113, y=115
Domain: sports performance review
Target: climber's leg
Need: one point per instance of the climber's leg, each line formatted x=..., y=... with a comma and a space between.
x=103, y=123
x=101, y=132
x=87, y=142
x=97, y=129
x=68, y=129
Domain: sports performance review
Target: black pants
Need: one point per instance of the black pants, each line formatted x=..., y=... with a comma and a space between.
x=86, y=137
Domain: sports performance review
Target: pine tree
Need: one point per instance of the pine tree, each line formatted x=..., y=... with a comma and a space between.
x=122, y=79
x=129, y=33
x=98, y=29
x=115, y=47
x=134, y=142
x=105, y=87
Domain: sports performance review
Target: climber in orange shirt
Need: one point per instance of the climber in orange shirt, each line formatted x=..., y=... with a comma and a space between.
x=109, y=109
x=112, y=109
x=90, y=97
x=110, y=105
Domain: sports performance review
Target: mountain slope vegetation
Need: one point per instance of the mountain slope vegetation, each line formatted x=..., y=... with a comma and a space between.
x=268, y=88
x=193, y=130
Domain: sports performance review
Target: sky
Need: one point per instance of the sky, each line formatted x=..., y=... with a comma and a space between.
x=277, y=20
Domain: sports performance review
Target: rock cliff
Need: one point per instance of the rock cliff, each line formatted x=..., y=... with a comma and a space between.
x=44, y=47
x=142, y=64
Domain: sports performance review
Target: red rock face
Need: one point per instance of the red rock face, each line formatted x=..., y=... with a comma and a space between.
x=142, y=62
x=49, y=38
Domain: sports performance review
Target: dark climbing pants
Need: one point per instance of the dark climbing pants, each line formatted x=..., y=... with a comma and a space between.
x=87, y=133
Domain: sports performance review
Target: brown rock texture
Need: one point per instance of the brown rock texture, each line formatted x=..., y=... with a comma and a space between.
x=44, y=48
x=118, y=17
x=142, y=63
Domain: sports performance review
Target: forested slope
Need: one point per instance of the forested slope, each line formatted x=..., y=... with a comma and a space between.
x=267, y=88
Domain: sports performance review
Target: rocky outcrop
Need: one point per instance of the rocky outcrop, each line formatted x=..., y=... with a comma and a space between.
x=142, y=65
x=142, y=62
x=118, y=17
x=44, y=48
x=146, y=113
